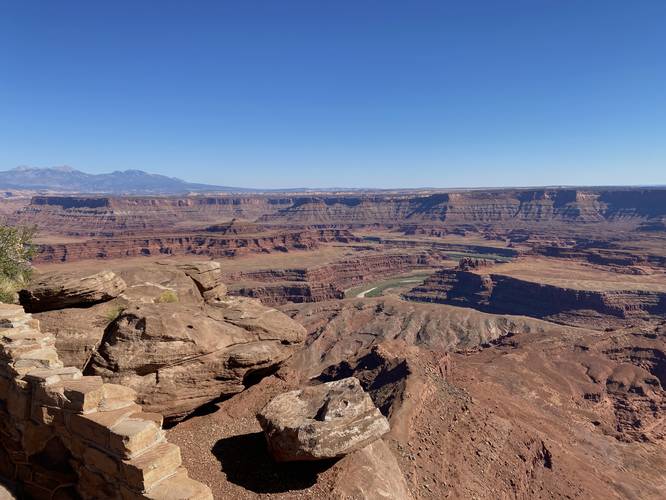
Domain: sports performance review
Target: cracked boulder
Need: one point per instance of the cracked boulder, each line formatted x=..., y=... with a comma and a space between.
x=207, y=275
x=321, y=422
x=179, y=357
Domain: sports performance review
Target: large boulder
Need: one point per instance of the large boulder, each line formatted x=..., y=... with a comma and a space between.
x=70, y=289
x=321, y=422
x=79, y=331
x=152, y=283
x=178, y=357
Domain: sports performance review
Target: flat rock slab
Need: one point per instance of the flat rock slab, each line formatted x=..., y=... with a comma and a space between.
x=72, y=289
x=321, y=422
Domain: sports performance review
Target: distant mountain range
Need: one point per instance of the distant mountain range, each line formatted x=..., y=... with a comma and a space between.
x=69, y=180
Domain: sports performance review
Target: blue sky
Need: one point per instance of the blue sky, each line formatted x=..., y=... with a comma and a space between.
x=352, y=93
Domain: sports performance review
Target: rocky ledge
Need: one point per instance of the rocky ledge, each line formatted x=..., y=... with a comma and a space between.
x=75, y=289
x=172, y=335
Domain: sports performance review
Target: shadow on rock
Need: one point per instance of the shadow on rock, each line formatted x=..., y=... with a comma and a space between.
x=246, y=462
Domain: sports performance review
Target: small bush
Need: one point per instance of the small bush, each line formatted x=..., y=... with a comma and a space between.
x=7, y=291
x=113, y=313
x=167, y=297
x=16, y=250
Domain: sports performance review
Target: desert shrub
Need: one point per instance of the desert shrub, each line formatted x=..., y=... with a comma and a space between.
x=16, y=250
x=113, y=313
x=167, y=297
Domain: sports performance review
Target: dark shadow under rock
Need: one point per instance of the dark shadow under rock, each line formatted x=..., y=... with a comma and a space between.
x=246, y=462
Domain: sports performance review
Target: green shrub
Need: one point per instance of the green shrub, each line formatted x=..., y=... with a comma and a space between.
x=113, y=313
x=16, y=250
x=7, y=291
x=167, y=297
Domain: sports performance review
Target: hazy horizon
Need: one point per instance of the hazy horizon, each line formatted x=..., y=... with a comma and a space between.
x=382, y=95
x=362, y=188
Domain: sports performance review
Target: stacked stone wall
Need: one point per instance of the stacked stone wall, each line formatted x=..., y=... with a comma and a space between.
x=67, y=436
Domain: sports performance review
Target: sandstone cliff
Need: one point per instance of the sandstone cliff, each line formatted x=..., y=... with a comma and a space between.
x=504, y=294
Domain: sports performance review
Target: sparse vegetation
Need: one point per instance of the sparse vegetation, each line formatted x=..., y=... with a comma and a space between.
x=167, y=297
x=113, y=313
x=16, y=250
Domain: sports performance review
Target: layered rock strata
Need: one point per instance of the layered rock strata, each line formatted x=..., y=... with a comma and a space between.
x=514, y=207
x=184, y=243
x=65, y=435
x=329, y=281
x=503, y=294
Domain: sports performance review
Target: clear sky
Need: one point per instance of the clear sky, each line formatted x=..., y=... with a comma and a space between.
x=357, y=93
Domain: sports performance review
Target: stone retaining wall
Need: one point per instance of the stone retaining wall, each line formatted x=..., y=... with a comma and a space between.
x=65, y=436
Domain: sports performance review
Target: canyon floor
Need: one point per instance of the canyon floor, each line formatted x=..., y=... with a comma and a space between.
x=514, y=340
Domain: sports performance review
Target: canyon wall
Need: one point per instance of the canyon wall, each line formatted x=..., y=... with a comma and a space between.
x=66, y=436
x=207, y=244
x=623, y=207
x=506, y=206
x=503, y=294
x=113, y=214
x=325, y=282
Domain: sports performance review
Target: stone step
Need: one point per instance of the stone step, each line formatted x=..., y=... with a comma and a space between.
x=149, y=468
x=133, y=436
x=116, y=397
x=179, y=487
x=81, y=395
x=41, y=376
x=96, y=427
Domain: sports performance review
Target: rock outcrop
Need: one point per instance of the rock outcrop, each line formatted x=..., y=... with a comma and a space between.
x=338, y=329
x=64, y=435
x=320, y=422
x=179, y=357
x=264, y=322
x=79, y=331
x=174, y=336
x=208, y=277
x=75, y=289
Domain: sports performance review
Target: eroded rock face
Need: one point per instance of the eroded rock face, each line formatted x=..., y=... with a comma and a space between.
x=179, y=357
x=208, y=277
x=264, y=322
x=371, y=473
x=75, y=289
x=324, y=421
x=78, y=331
x=504, y=294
